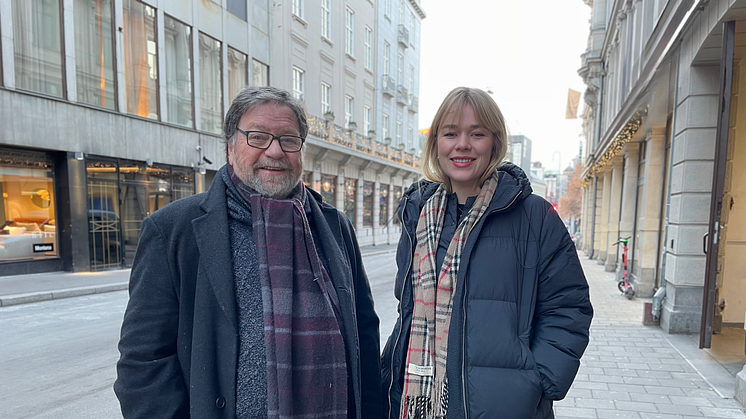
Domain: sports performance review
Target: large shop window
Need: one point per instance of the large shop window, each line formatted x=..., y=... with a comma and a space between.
x=178, y=72
x=211, y=88
x=27, y=211
x=350, y=192
x=121, y=194
x=140, y=59
x=396, y=201
x=383, y=210
x=329, y=189
x=94, y=53
x=238, y=72
x=37, y=43
x=367, y=204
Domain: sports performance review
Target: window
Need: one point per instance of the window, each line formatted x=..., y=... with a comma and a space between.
x=412, y=21
x=326, y=98
x=410, y=138
x=260, y=73
x=299, y=81
x=140, y=59
x=399, y=65
x=367, y=204
x=237, y=8
x=37, y=42
x=210, y=84
x=398, y=134
x=411, y=79
x=396, y=200
x=298, y=8
x=387, y=8
x=383, y=206
x=366, y=120
x=349, y=110
x=401, y=12
x=238, y=73
x=326, y=19
x=94, y=53
x=27, y=201
x=386, y=54
x=178, y=70
x=350, y=33
x=385, y=127
x=349, y=202
x=329, y=189
x=368, y=48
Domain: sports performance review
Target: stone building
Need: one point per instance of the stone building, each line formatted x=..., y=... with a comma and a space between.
x=664, y=161
x=110, y=109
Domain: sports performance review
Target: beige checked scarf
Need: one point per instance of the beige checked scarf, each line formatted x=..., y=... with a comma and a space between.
x=425, y=384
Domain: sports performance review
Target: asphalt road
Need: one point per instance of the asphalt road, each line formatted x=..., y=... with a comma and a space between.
x=57, y=358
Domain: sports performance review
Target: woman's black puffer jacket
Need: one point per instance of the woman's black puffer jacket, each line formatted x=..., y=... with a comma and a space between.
x=521, y=311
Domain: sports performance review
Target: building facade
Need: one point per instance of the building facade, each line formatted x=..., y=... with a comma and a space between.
x=331, y=55
x=110, y=109
x=665, y=156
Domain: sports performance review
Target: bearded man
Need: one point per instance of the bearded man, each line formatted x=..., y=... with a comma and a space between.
x=251, y=300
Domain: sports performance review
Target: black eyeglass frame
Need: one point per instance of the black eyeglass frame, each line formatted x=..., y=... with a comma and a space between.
x=278, y=137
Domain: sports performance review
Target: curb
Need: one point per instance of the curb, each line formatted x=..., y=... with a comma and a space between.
x=35, y=297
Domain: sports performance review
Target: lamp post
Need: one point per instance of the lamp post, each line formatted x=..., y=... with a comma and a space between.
x=557, y=179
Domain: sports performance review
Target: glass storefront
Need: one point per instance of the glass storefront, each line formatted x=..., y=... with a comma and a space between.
x=27, y=210
x=328, y=189
x=121, y=194
x=367, y=204
x=396, y=201
x=383, y=204
x=349, y=202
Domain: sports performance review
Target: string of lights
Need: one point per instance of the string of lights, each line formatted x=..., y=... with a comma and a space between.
x=625, y=135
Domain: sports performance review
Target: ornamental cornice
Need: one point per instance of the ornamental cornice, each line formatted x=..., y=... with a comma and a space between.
x=416, y=6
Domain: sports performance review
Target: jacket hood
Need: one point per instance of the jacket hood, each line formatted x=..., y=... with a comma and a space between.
x=512, y=181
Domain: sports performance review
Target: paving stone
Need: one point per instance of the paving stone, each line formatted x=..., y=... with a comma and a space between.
x=650, y=398
x=636, y=406
x=715, y=412
x=617, y=414
x=678, y=409
x=611, y=395
x=575, y=412
x=692, y=401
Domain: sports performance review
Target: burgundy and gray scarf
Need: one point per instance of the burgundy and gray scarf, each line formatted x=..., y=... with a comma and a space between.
x=306, y=364
x=425, y=393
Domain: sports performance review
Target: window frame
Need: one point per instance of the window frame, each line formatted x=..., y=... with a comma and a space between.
x=298, y=8
x=349, y=110
x=368, y=49
x=299, y=83
x=350, y=32
x=326, y=19
x=326, y=97
x=386, y=58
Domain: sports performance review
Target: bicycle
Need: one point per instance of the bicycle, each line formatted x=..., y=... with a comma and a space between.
x=624, y=286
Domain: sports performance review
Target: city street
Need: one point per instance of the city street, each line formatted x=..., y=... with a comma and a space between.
x=58, y=357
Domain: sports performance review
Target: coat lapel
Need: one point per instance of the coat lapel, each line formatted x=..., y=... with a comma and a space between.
x=212, y=234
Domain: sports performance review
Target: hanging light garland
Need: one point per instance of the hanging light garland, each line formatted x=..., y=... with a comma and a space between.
x=616, y=147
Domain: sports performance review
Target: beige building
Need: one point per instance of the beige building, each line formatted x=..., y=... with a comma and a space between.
x=666, y=132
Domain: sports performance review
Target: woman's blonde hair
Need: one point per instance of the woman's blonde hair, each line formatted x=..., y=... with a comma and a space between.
x=488, y=116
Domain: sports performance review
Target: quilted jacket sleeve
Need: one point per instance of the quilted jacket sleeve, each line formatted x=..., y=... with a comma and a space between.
x=563, y=311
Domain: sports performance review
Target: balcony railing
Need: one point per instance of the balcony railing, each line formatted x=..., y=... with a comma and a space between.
x=389, y=85
x=403, y=36
x=414, y=103
x=402, y=95
x=336, y=134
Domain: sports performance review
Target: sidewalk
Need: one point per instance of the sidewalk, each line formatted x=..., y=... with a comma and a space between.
x=635, y=371
x=23, y=289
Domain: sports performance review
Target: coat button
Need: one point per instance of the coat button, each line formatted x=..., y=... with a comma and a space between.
x=220, y=402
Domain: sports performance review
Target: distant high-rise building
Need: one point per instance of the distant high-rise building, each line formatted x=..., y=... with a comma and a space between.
x=521, y=152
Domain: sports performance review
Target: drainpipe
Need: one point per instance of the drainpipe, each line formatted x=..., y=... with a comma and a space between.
x=660, y=293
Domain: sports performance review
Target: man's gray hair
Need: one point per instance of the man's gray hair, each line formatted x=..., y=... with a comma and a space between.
x=252, y=96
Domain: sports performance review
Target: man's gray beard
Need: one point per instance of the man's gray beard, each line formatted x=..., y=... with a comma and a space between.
x=274, y=191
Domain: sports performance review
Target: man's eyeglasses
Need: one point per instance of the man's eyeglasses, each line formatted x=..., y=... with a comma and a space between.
x=262, y=140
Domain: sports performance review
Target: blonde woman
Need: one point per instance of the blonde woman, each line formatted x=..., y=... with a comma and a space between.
x=494, y=310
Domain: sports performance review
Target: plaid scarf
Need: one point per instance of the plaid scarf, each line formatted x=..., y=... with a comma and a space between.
x=306, y=364
x=425, y=383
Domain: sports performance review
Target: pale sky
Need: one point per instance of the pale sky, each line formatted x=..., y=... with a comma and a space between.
x=526, y=52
